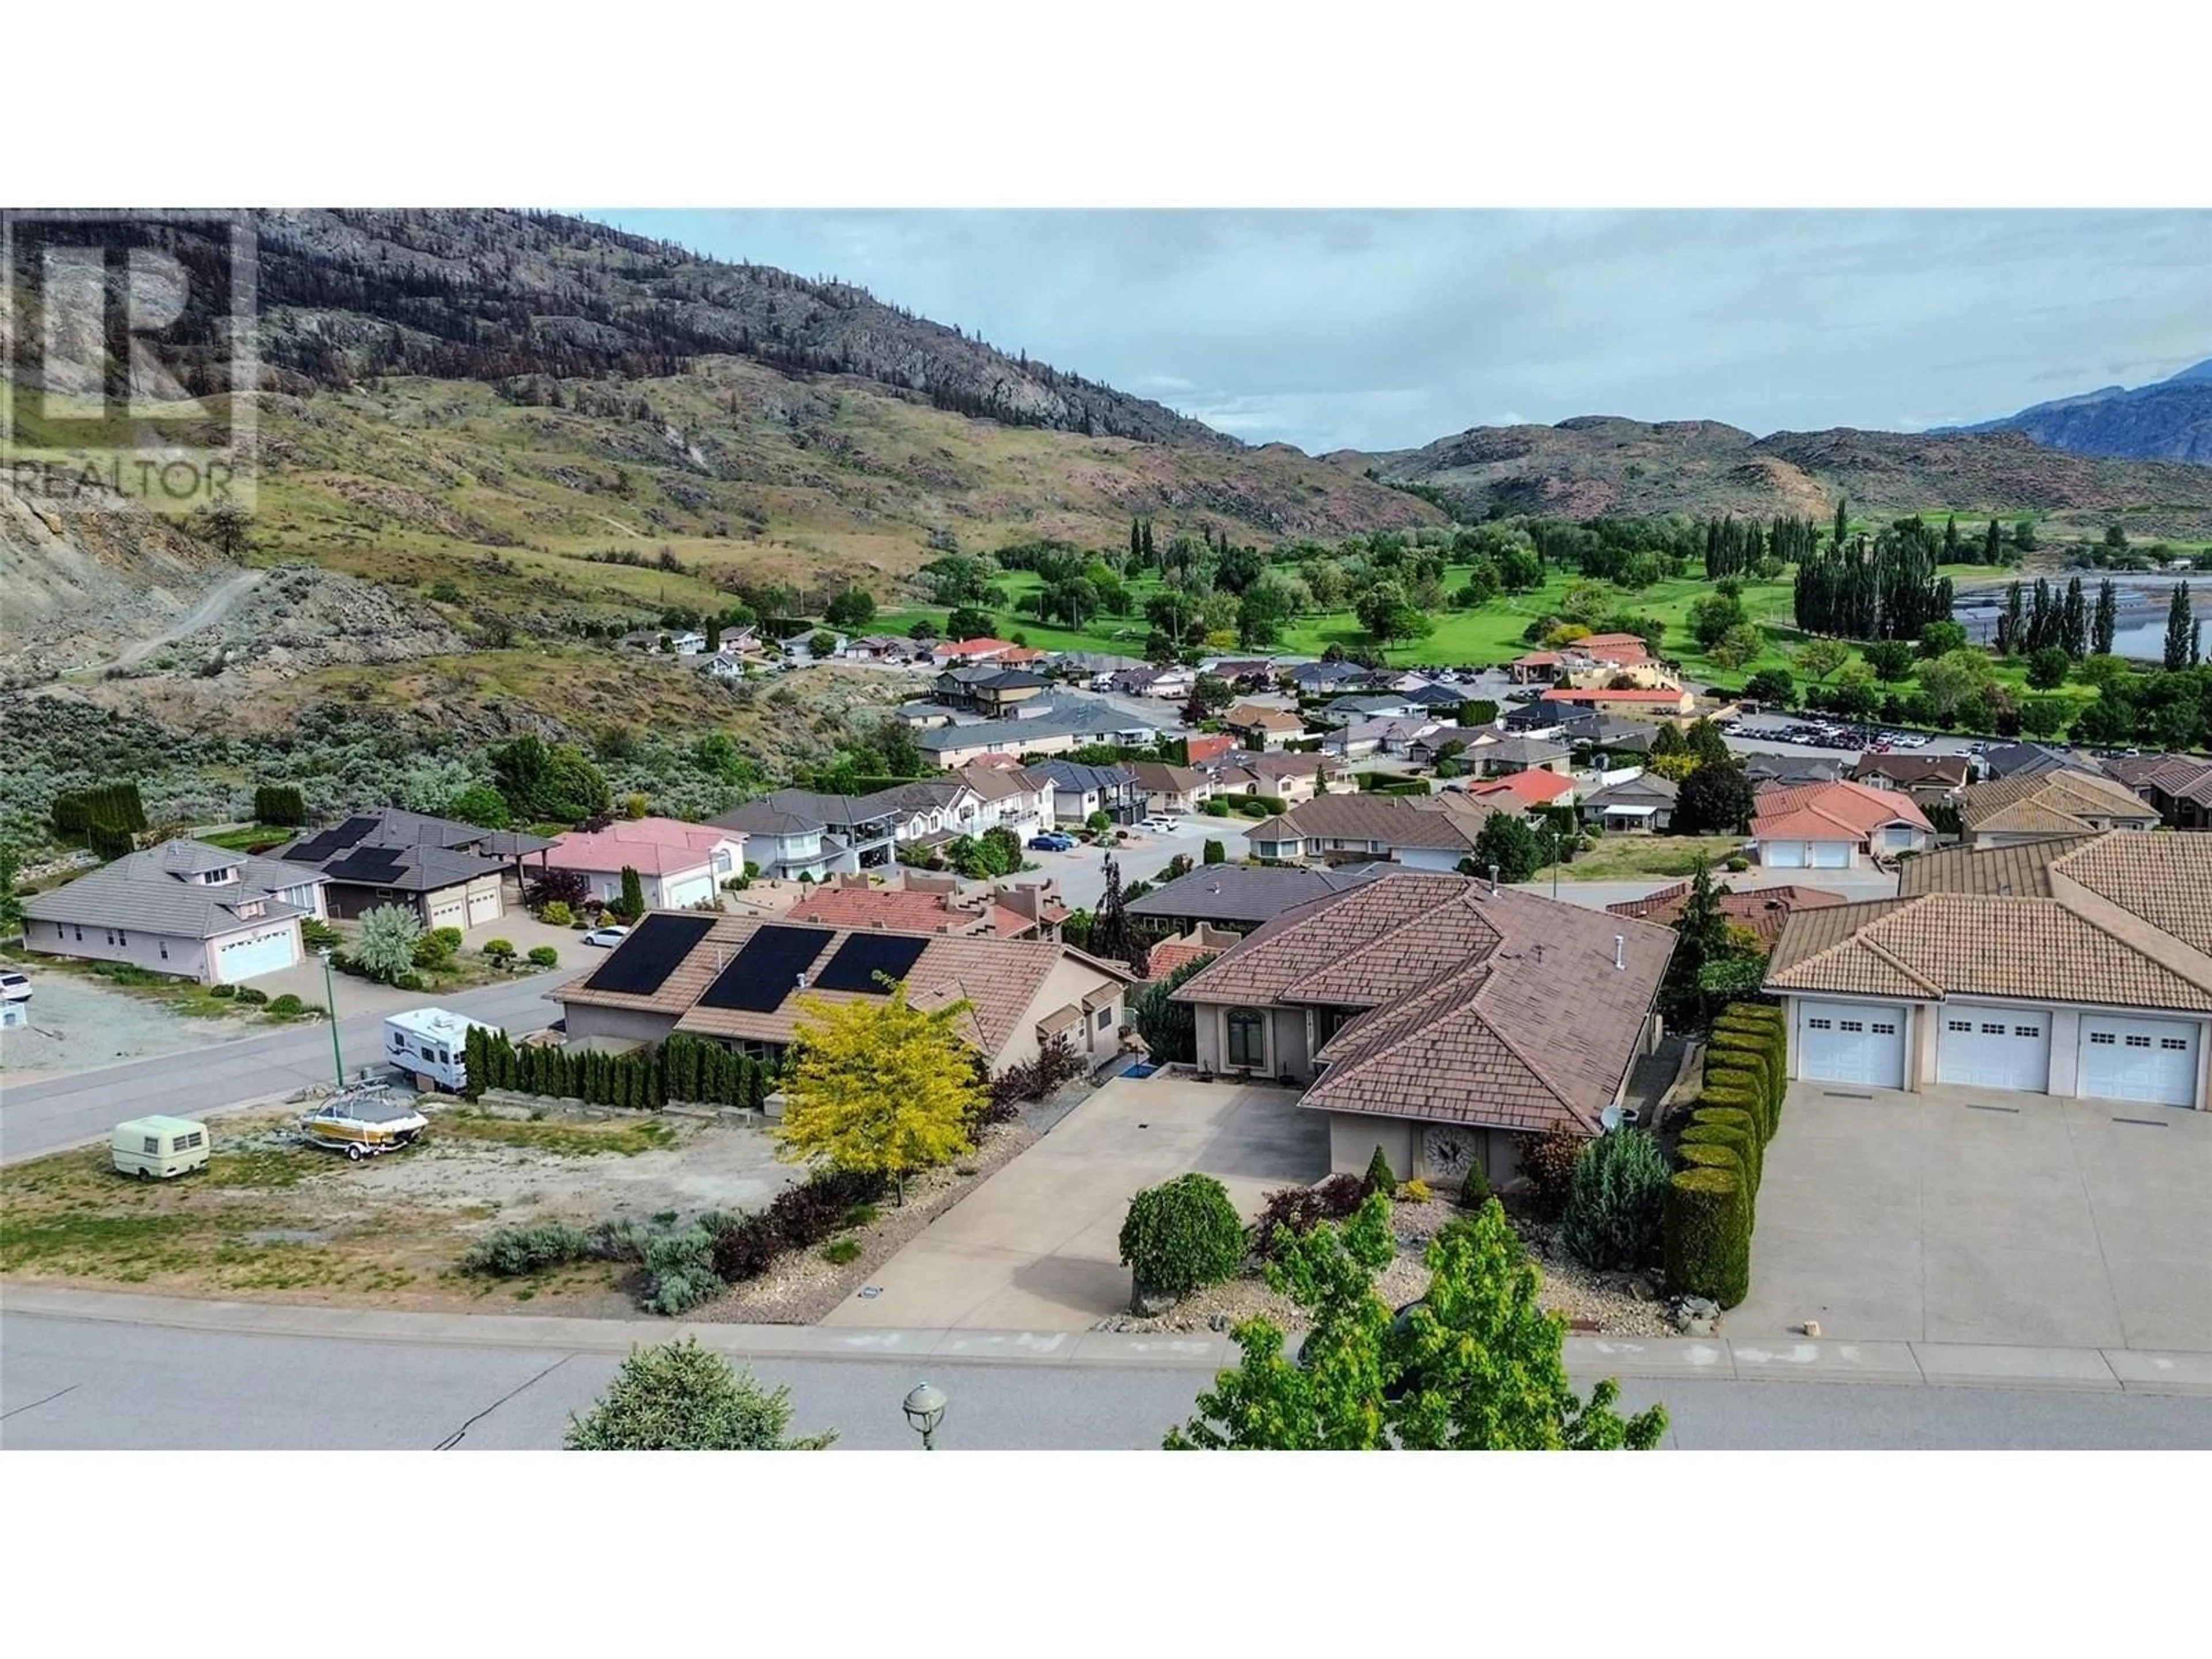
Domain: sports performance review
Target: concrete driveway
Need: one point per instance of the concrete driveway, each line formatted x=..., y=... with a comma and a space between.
x=1981, y=1217
x=1034, y=1248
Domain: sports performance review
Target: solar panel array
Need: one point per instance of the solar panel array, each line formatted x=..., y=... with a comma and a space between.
x=335, y=840
x=863, y=955
x=642, y=963
x=371, y=864
x=766, y=970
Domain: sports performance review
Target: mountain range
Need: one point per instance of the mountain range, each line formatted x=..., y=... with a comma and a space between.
x=2169, y=420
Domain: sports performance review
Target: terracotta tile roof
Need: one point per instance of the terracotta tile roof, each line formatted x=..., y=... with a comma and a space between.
x=1762, y=909
x=1972, y=945
x=1208, y=745
x=2049, y=802
x=1500, y=1009
x=1531, y=788
x=1001, y=976
x=1256, y=717
x=2020, y=871
x=1006, y=649
x=903, y=912
x=1832, y=812
x=1906, y=770
x=2163, y=878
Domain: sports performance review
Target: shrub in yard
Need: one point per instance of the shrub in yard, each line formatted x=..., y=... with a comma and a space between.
x=1613, y=1204
x=1736, y=864
x=1706, y=1235
x=1381, y=1177
x=862, y=1215
x=287, y=1004
x=252, y=998
x=1301, y=1209
x=411, y=982
x=501, y=951
x=1416, y=1191
x=1695, y=1155
x=1739, y=1117
x=616, y=1241
x=1547, y=1166
x=1180, y=1234
x=556, y=914
x=513, y=1252
x=1057, y=1063
x=544, y=955
x=839, y=1251
x=222, y=990
x=1473, y=1188
x=748, y=1249
x=682, y=1269
x=1740, y=1089
x=684, y=1397
x=1738, y=1143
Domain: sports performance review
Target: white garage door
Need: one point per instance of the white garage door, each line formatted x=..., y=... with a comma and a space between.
x=1994, y=1048
x=483, y=907
x=675, y=895
x=447, y=909
x=2153, y=1059
x=1832, y=855
x=1783, y=856
x=251, y=954
x=1852, y=1043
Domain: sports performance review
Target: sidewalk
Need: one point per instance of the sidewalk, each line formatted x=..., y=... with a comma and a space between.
x=1933, y=1364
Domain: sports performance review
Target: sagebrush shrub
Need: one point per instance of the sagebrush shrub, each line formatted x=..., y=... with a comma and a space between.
x=682, y=1269
x=514, y=1252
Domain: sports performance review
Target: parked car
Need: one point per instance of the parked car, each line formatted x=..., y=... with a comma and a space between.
x=1162, y=824
x=1052, y=841
x=15, y=987
x=606, y=938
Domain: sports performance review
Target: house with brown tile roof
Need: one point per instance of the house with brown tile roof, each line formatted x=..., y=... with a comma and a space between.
x=918, y=905
x=2078, y=966
x=1926, y=778
x=1172, y=788
x=740, y=981
x=1837, y=826
x=1258, y=726
x=1287, y=777
x=1424, y=832
x=1202, y=941
x=2179, y=786
x=1436, y=1017
x=2063, y=802
x=1761, y=909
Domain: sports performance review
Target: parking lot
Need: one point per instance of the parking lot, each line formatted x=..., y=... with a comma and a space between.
x=1969, y=1216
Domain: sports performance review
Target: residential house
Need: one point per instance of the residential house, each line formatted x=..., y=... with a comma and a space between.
x=1506, y=755
x=1523, y=791
x=799, y=647
x=1240, y=896
x=182, y=907
x=1171, y=681
x=1645, y=802
x=1011, y=797
x=1246, y=673
x=925, y=716
x=1044, y=726
x=2077, y=966
x=1202, y=747
x=451, y=874
x=1931, y=780
x=1593, y=654
x=1087, y=664
x=1438, y=700
x=1317, y=679
x=884, y=648
x=947, y=654
x=1287, y=777
x=1630, y=702
x=912, y=902
x=1256, y=725
x=1767, y=773
x=989, y=689
x=2179, y=786
x=741, y=981
x=789, y=835
x=1394, y=735
x=1837, y=826
x=1366, y=706
x=2058, y=802
x=1178, y=789
x=677, y=864
x=1078, y=790
x=1203, y=940
x=1538, y=719
x=2007, y=760
x=1466, y=743
x=1760, y=910
x=1437, y=1018
x=1425, y=832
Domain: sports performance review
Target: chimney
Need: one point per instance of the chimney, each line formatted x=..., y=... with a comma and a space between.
x=1619, y=947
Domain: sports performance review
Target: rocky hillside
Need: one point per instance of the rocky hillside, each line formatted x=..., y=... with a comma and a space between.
x=1596, y=465
x=2170, y=420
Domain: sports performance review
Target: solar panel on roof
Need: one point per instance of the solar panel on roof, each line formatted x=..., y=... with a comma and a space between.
x=642, y=963
x=374, y=864
x=863, y=955
x=766, y=970
x=350, y=831
x=318, y=848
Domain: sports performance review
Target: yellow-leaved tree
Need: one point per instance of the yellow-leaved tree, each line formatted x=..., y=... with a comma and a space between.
x=877, y=1085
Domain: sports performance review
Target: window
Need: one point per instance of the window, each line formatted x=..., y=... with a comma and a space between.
x=122, y=937
x=1989, y=1030
x=2138, y=1042
x=153, y=1144
x=192, y=1140
x=80, y=935
x=1957, y=1025
x=164, y=947
x=2103, y=1037
x=1105, y=1019
x=1854, y=1025
x=1820, y=1024
x=1885, y=1028
x=1248, y=1037
x=398, y=1042
x=2027, y=1030
x=2173, y=1045
x=109, y=934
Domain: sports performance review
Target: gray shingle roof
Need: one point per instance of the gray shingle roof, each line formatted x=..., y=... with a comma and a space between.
x=154, y=891
x=1235, y=892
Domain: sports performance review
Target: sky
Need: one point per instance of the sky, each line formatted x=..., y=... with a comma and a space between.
x=1365, y=330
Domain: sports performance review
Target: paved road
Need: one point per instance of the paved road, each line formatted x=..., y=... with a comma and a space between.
x=1081, y=874
x=78, y=1384
x=36, y=1118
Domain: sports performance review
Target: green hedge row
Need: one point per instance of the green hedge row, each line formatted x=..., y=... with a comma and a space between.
x=1712, y=1203
x=682, y=1068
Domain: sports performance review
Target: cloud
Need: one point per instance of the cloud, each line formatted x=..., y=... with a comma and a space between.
x=1387, y=330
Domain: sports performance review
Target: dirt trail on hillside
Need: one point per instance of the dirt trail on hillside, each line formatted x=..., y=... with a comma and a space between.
x=206, y=613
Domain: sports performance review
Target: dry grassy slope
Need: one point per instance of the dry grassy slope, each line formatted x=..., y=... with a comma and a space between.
x=1598, y=464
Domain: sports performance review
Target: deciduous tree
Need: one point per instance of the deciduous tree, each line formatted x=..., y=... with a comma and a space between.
x=389, y=934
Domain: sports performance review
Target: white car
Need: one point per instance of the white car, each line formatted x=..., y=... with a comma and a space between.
x=1162, y=825
x=605, y=937
x=15, y=987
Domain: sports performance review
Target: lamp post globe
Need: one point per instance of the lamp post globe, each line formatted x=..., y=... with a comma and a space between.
x=925, y=1409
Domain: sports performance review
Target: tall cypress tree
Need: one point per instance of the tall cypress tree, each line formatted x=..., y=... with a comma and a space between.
x=2180, y=629
x=1842, y=524
x=1951, y=539
x=2108, y=625
x=1993, y=546
x=2073, y=621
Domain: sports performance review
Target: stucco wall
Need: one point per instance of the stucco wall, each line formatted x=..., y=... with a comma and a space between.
x=586, y=1020
x=1353, y=1137
x=187, y=958
x=1069, y=981
x=1429, y=858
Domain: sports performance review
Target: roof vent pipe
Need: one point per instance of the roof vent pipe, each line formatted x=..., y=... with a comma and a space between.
x=802, y=981
x=1619, y=944
x=1493, y=880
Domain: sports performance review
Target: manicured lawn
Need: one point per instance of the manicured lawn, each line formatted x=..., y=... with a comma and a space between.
x=1628, y=857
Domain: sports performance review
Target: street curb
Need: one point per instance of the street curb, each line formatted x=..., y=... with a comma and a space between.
x=1926, y=1365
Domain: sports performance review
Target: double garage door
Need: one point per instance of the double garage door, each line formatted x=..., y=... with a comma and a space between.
x=1802, y=855
x=1852, y=1043
x=2147, y=1060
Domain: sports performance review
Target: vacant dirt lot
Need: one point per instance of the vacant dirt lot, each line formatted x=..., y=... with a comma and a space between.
x=269, y=1218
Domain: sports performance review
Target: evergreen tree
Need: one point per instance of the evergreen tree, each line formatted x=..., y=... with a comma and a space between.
x=2108, y=625
x=1136, y=541
x=1842, y=525
x=1951, y=539
x=2180, y=629
x=2074, y=622
x=1148, y=541
x=1993, y=546
x=2011, y=622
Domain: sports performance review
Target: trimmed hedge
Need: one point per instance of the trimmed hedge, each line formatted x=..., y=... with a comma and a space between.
x=1706, y=1235
x=1709, y=1155
x=1751, y=1036
x=1737, y=1117
x=1744, y=1090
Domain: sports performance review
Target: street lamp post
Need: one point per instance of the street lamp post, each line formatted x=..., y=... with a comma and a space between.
x=925, y=1409
x=331, y=1002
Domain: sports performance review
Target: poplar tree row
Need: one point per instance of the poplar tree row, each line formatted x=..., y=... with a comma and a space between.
x=1885, y=589
x=681, y=1068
